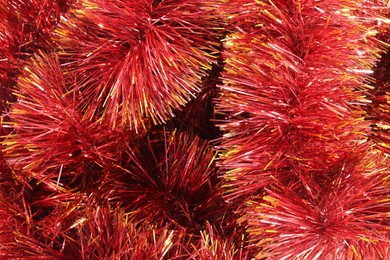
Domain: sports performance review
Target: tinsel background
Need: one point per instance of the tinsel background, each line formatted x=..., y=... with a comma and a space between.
x=195, y=129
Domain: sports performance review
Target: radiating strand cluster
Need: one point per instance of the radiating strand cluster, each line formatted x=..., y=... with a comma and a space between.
x=285, y=94
x=133, y=62
x=294, y=85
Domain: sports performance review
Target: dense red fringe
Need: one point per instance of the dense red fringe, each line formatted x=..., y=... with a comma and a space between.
x=135, y=61
x=111, y=148
x=294, y=99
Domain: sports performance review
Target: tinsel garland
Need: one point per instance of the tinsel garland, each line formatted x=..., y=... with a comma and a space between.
x=379, y=108
x=116, y=54
x=297, y=152
x=194, y=129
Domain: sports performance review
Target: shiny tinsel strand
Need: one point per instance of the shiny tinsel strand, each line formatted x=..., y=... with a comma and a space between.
x=292, y=102
x=292, y=89
x=169, y=177
x=346, y=218
x=93, y=167
x=51, y=141
x=25, y=27
x=135, y=61
x=377, y=112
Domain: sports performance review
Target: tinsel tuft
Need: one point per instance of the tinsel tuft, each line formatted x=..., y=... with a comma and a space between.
x=133, y=62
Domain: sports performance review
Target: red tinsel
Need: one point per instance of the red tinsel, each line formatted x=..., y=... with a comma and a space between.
x=50, y=135
x=293, y=97
x=111, y=148
x=26, y=26
x=378, y=112
x=345, y=218
x=292, y=85
x=133, y=62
